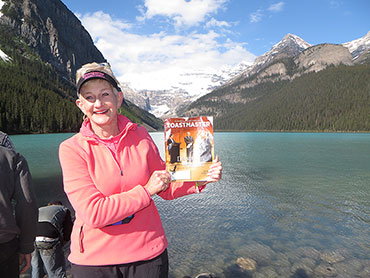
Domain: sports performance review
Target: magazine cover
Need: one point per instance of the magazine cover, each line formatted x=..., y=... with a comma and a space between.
x=189, y=147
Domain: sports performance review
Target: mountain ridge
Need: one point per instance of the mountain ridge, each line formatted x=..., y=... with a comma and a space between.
x=302, y=92
x=290, y=46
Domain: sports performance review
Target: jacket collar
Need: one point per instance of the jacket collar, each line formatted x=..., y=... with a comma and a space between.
x=124, y=125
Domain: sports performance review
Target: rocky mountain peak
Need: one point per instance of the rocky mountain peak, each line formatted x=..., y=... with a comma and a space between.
x=290, y=46
x=53, y=32
x=291, y=40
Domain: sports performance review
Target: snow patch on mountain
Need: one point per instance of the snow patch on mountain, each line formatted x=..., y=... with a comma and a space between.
x=297, y=40
x=189, y=87
x=358, y=46
x=4, y=57
x=1, y=5
x=199, y=83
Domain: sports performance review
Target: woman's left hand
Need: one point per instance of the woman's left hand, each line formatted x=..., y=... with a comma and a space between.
x=215, y=171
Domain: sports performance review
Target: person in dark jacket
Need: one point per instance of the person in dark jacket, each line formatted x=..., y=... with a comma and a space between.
x=18, y=211
x=53, y=231
x=173, y=149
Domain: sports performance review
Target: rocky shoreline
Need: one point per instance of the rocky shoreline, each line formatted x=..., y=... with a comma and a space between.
x=261, y=261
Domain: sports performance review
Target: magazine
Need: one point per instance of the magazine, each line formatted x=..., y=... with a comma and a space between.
x=189, y=147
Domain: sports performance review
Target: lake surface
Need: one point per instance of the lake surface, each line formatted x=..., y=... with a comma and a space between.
x=289, y=205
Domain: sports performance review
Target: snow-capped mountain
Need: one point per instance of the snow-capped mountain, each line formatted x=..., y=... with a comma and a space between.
x=192, y=85
x=359, y=46
x=290, y=46
x=196, y=84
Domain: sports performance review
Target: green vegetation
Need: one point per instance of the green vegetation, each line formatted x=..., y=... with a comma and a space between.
x=335, y=99
x=33, y=99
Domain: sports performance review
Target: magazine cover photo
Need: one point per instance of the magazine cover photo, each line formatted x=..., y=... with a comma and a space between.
x=189, y=147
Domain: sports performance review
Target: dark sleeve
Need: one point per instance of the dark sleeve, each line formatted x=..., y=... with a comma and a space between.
x=67, y=226
x=26, y=211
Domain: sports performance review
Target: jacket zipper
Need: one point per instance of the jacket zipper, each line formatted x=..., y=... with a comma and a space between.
x=119, y=143
x=129, y=127
x=115, y=160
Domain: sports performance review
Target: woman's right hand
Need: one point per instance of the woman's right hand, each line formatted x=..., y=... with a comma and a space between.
x=158, y=182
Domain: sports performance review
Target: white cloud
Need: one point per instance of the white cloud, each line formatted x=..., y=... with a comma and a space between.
x=183, y=13
x=157, y=61
x=110, y=25
x=215, y=23
x=260, y=13
x=256, y=16
x=277, y=7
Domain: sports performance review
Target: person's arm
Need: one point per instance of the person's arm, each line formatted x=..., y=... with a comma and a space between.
x=94, y=208
x=26, y=212
x=24, y=262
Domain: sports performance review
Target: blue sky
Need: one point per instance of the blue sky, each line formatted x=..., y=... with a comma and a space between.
x=149, y=39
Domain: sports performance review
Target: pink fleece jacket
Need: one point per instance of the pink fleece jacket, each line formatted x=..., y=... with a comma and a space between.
x=104, y=189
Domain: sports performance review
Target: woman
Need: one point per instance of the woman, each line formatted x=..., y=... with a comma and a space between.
x=111, y=169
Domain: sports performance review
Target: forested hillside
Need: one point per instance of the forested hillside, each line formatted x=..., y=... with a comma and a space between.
x=334, y=99
x=35, y=99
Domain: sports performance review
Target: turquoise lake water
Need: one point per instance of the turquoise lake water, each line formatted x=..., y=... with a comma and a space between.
x=295, y=204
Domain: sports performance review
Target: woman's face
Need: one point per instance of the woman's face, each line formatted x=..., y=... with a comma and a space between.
x=99, y=102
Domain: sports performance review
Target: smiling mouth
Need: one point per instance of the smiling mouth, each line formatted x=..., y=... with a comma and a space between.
x=101, y=112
